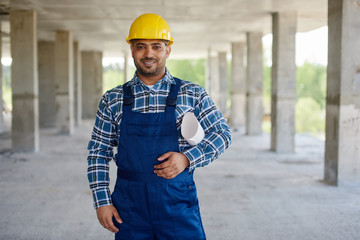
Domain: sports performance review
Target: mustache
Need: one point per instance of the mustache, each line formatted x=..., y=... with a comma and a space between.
x=147, y=59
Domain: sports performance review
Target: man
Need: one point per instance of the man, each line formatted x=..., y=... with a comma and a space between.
x=155, y=195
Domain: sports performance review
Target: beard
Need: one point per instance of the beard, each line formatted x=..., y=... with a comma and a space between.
x=152, y=71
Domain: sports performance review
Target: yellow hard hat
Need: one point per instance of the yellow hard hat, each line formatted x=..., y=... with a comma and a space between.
x=150, y=26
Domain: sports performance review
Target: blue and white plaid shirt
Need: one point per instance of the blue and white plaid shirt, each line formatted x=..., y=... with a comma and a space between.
x=106, y=131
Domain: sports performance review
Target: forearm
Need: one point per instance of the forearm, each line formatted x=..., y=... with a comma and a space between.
x=99, y=180
x=214, y=143
x=103, y=139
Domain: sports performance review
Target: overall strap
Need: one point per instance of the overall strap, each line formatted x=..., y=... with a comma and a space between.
x=172, y=97
x=128, y=97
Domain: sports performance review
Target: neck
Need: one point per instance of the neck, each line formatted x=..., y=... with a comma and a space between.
x=150, y=80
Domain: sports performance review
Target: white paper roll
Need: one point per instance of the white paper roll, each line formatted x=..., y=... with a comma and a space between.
x=191, y=129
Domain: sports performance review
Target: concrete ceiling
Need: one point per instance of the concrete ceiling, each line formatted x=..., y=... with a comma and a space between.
x=196, y=25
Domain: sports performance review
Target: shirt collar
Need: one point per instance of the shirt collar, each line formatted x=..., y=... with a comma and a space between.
x=167, y=79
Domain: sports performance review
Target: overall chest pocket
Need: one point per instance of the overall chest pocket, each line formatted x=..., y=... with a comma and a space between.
x=150, y=130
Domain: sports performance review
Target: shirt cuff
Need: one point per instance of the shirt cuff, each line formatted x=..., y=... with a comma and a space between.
x=196, y=156
x=102, y=197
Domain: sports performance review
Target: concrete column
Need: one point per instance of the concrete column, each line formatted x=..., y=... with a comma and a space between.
x=223, y=80
x=214, y=80
x=77, y=85
x=237, y=85
x=47, y=105
x=24, y=73
x=1, y=89
x=92, y=74
x=64, y=76
x=342, y=152
x=126, y=69
x=283, y=83
x=208, y=72
x=254, y=84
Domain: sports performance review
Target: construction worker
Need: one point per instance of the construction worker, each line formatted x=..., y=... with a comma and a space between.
x=155, y=195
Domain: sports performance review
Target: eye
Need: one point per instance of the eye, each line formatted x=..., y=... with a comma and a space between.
x=139, y=47
x=157, y=47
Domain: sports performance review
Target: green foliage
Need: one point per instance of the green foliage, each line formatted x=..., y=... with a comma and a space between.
x=192, y=70
x=113, y=75
x=310, y=116
x=310, y=98
x=6, y=85
x=267, y=89
x=311, y=82
x=310, y=88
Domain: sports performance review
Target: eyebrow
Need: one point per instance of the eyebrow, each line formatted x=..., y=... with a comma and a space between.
x=152, y=44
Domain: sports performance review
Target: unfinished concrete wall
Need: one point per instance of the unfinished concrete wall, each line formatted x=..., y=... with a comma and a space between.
x=214, y=79
x=1, y=89
x=77, y=85
x=208, y=72
x=254, y=84
x=127, y=74
x=92, y=75
x=223, y=83
x=64, y=84
x=342, y=152
x=283, y=96
x=47, y=106
x=24, y=76
x=238, y=98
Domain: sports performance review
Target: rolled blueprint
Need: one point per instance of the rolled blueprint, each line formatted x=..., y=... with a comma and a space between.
x=191, y=129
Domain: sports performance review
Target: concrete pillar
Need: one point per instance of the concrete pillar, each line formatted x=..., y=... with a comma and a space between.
x=92, y=74
x=127, y=76
x=208, y=72
x=77, y=85
x=237, y=85
x=1, y=89
x=254, y=84
x=223, y=80
x=342, y=152
x=24, y=73
x=64, y=76
x=47, y=105
x=283, y=83
x=214, y=80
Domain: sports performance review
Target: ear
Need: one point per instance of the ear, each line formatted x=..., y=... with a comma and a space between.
x=132, y=50
x=168, y=51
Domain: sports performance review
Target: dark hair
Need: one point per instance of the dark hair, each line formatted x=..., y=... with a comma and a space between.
x=133, y=41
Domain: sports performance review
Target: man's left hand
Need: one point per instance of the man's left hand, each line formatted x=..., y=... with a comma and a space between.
x=175, y=164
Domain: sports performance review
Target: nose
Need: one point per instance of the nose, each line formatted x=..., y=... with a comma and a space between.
x=148, y=52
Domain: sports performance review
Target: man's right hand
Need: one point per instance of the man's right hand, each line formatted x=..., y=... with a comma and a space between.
x=105, y=214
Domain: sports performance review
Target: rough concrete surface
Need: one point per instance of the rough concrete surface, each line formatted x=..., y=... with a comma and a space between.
x=250, y=193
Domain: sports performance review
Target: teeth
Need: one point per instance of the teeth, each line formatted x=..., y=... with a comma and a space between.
x=148, y=62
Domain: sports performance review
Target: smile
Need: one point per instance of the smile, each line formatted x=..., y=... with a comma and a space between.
x=148, y=63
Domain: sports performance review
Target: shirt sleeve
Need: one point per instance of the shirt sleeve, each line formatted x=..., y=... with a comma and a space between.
x=217, y=133
x=103, y=139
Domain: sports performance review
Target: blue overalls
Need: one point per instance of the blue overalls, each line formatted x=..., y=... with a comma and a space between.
x=151, y=207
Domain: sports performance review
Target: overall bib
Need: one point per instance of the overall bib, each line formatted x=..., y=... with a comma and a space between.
x=151, y=207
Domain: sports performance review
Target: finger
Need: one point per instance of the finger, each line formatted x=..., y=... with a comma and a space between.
x=102, y=223
x=162, y=165
x=163, y=171
x=110, y=225
x=164, y=156
x=117, y=217
x=170, y=175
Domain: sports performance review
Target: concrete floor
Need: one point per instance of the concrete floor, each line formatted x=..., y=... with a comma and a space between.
x=250, y=193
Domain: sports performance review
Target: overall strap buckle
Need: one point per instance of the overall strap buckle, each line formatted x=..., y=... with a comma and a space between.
x=172, y=97
x=171, y=101
x=128, y=101
x=128, y=97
